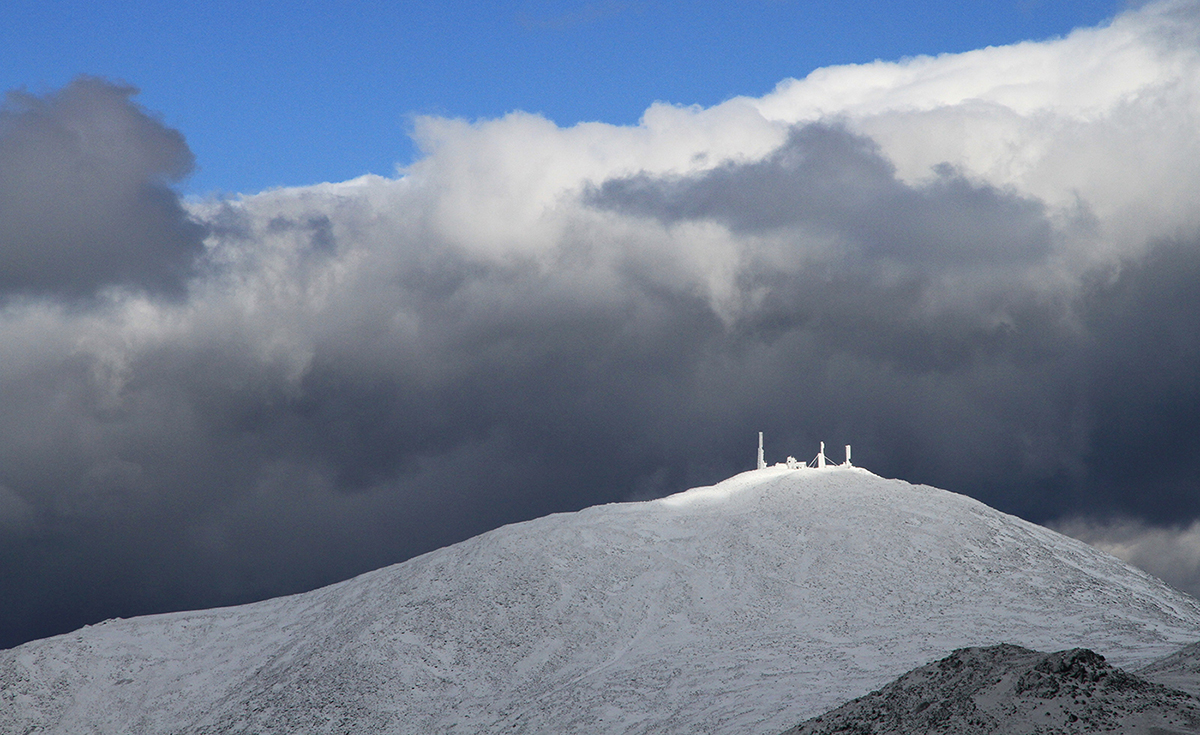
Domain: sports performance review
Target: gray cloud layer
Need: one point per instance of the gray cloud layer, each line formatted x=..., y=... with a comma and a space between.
x=828, y=182
x=535, y=319
x=84, y=201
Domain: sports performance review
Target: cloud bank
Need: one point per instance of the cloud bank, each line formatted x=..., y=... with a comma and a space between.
x=979, y=269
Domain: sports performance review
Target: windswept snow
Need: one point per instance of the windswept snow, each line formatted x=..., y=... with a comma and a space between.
x=745, y=607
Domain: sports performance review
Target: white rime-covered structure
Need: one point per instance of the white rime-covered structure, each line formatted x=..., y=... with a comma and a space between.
x=819, y=462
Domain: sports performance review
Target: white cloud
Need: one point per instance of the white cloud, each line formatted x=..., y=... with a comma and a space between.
x=1098, y=125
x=1103, y=119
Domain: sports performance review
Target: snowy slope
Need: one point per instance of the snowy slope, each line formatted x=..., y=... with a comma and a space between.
x=745, y=607
x=1180, y=670
x=1009, y=690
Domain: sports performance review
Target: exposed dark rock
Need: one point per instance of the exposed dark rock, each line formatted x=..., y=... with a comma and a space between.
x=1013, y=690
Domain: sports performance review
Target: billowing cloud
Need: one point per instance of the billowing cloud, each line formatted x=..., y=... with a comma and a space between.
x=971, y=267
x=84, y=196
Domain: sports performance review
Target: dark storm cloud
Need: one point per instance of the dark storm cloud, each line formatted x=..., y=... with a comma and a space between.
x=523, y=324
x=85, y=201
x=1141, y=366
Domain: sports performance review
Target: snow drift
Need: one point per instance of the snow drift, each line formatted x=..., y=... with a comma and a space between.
x=744, y=607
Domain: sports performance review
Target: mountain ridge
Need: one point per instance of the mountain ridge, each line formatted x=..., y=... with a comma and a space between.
x=745, y=606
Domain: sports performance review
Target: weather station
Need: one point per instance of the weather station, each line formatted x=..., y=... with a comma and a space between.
x=819, y=462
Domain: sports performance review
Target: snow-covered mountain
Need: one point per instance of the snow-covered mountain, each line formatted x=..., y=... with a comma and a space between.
x=1009, y=690
x=744, y=607
x=1180, y=670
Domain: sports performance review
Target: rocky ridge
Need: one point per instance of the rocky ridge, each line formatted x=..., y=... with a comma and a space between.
x=1015, y=691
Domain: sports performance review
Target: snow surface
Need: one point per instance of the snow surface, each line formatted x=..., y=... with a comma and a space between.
x=1180, y=670
x=745, y=607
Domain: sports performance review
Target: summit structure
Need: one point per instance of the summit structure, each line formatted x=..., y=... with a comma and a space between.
x=819, y=462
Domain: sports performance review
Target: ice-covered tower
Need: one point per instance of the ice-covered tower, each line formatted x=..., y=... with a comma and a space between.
x=821, y=457
x=762, y=463
x=847, y=462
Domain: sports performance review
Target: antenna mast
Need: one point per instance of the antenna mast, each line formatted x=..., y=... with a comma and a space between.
x=762, y=463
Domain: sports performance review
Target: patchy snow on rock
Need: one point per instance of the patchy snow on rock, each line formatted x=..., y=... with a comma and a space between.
x=744, y=607
x=1010, y=690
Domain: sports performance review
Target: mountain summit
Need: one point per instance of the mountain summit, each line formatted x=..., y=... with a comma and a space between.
x=744, y=607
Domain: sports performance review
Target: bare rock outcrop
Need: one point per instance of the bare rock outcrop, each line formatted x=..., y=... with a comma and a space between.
x=1013, y=690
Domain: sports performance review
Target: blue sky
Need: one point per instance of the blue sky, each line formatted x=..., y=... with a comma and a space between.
x=271, y=94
